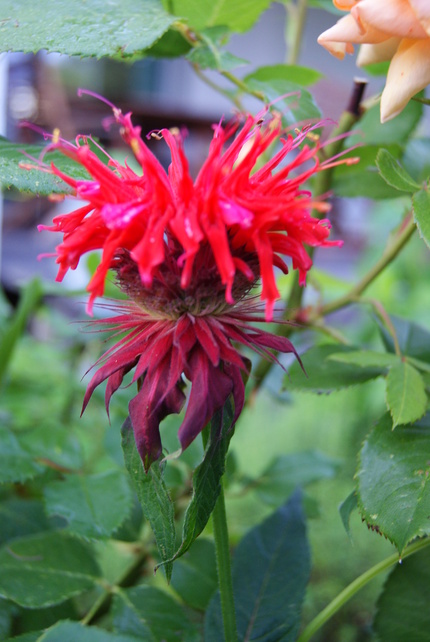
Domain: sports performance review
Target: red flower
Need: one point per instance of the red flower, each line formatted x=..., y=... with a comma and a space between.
x=228, y=207
x=170, y=333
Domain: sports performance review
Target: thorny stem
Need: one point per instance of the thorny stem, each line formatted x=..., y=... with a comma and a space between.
x=294, y=29
x=222, y=549
x=361, y=581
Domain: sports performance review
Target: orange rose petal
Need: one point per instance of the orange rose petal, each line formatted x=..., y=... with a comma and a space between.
x=421, y=8
x=409, y=72
x=380, y=52
x=396, y=17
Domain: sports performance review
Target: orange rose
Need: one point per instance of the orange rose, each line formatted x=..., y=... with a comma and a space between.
x=396, y=30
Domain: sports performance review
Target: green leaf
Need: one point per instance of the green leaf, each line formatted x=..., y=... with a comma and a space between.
x=237, y=16
x=268, y=595
x=403, y=612
x=194, y=576
x=296, y=74
x=370, y=131
x=54, y=444
x=394, y=480
x=421, y=207
x=297, y=105
x=16, y=464
x=326, y=375
x=46, y=569
x=14, y=172
x=406, y=396
x=363, y=179
x=33, y=636
x=85, y=28
x=393, y=173
x=81, y=501
x=346, y=508
x=208, y=55
x=207, y=478
x=153, y=496
x=366, y=358
x=287, y=472
x=19, y=517
x=66, y=631
x=416, y=158
x=151, y=615
x=30, y=297
x=414, y=340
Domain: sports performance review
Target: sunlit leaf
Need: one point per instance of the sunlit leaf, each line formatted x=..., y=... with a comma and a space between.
x=406, y=396
x=84, y=28
x=393, y=480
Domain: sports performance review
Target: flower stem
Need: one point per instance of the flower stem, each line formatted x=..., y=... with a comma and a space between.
x=219, y=520
x=222, y=549
x=354, y=587
x=294, y=29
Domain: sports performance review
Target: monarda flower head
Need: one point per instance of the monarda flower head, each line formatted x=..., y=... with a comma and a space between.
x=187, y=254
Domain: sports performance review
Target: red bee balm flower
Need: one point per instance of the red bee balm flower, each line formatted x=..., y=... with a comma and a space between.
x=187, y=254
x=227, y=207
x=170, y=332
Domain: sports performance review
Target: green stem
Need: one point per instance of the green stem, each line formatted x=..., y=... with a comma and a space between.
x=103, y=600
x=389, y=255
x=295, y=27
x=345, y=595
x=219, y=520
x=222, y=550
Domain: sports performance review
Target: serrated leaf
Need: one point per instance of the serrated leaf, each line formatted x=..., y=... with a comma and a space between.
x=394, y=480
x=346, y=508
x=151, y=615
x=421, y=207
x=84, y=28
x=297, y=104
x=194, y=576
x=406, y=396
x=66, y=631
x=46, y=569
x=402, y=608
x=296, y=74
x=271, y=569
x=81, y=501
x=416, y=158
x=16, y=464
x=30, y=297
x=237, y=16
x=153, y=496
x=287, y=472
x=14, y=170
x=207, y=478
x=326, y=375
x=414, y=339
x=20, y=517
x=366, y=358
x=393, y=173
